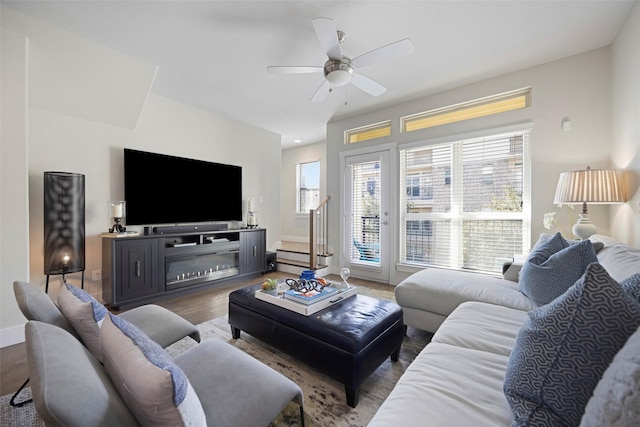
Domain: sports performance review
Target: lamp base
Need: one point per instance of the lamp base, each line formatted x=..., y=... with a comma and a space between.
x=117, y=227
x=252, y=220
x=584, y=227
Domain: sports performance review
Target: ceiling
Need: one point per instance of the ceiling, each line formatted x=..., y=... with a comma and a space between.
x=214, y=54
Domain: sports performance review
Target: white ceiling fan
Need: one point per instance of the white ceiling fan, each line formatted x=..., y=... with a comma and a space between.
x=339, y=69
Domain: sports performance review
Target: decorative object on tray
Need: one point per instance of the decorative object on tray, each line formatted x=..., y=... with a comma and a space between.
x=306, y=285
x=312, y=296
x=344, y=274
x=308, y=274
x=270, y=286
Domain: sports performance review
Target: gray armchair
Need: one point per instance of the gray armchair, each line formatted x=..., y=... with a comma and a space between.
x=160, y=324
x=70, y=387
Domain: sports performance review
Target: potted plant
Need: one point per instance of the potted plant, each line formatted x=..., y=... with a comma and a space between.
x=270, y=286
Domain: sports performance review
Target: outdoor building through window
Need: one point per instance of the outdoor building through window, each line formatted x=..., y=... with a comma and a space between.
x=308, y=186
x=465, y=204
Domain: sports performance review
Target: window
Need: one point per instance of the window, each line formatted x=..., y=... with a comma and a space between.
x=472, y=211
x=447, y=176
x=308, y=186
x=487, y=174
x=487, y=106
x=413, y=186
x=365, y=133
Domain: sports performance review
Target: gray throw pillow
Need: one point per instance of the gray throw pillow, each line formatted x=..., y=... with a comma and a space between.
x=154, y=388
x=553, y=266
x=85, y=315
x=616, y=399
x=564, y=347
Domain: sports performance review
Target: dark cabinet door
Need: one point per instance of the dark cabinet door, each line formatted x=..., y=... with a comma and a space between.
x=137, y=268
x=253, y=250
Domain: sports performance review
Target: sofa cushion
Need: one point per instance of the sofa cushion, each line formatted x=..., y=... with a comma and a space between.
x=619, y=259
x=616, y=399
x=553, y=266
x=564, y=348
x=156, y=390
x=447, y=385
x=441, y=291
x=481, y=326
x=69, y=386
x=85, y=315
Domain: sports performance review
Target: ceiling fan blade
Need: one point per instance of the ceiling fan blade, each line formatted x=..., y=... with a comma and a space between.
x=294, y=69
x=328, y=36
x=367, y=85
x=384, y=53
x=322, y=92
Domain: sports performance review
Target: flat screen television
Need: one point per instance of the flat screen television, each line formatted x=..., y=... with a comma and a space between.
x=163, y=189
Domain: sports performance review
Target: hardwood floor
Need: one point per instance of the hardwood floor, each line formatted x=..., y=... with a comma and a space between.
x=196, y=307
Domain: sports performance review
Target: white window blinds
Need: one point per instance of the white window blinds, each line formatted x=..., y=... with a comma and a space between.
x=465, y=204
x=365, y=206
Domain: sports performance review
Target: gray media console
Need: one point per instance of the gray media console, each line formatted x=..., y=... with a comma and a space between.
x=140, y=269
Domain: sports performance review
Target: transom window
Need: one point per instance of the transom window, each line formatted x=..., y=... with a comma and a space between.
x=481, y=107
x=365, y=133
x=465, y=204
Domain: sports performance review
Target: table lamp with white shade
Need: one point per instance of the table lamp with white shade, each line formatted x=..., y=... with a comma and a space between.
x=599, y=186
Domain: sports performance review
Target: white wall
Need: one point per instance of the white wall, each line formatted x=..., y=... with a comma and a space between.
x=14, y=209
x=625, y=148
x=577, y=88
x=92, y=144
x=295, y=227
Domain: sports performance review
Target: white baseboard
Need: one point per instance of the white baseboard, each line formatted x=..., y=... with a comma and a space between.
x=11, y=336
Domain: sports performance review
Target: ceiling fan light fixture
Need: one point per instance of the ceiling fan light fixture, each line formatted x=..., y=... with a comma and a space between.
x=338, y=73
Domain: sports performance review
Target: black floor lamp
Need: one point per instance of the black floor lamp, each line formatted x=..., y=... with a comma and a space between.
x=64, y=245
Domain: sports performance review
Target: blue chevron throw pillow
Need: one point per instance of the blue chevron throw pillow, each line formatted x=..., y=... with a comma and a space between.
x=631, y=285
x=553, y=267
x=564, y=347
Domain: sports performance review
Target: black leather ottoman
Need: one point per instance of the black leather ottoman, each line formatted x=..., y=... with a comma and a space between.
x=346, y=341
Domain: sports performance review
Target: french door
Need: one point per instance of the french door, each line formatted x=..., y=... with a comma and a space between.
x=366, y=214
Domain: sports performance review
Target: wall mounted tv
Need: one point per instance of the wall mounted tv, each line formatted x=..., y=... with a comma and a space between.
x=162, y=189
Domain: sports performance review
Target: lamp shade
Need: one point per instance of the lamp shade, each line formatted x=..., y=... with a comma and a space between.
x=64, y=223
x=590, y=186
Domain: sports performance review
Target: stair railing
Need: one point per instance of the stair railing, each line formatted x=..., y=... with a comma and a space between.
x=318, y=232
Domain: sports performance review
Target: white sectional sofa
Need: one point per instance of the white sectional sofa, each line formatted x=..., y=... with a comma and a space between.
x=459, y=377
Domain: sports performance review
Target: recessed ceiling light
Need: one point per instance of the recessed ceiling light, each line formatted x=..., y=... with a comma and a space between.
x=297, y=141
